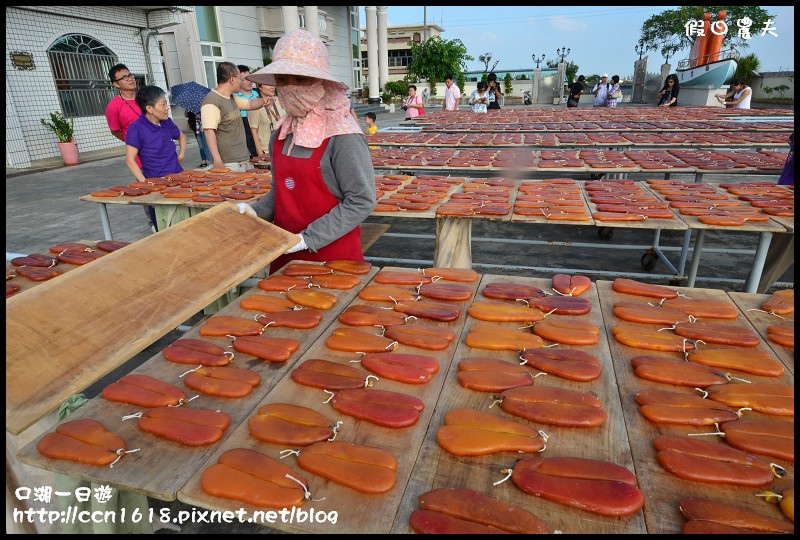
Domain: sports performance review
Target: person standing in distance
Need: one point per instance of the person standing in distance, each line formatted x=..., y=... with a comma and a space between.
x=323, y=179
x=121, y=112
x=575, y=92
x=222, y=120
x=413, y=103
x=263, y=121
x=600, y=91
x=152, y=136
x=247, y=92
x=451, y=94
x=612, y=101
x=494, y=93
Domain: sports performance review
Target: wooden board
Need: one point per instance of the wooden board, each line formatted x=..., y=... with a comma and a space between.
x=371, y=233
x=157, y=198
x=787, y=222
x=437, y=468
x=357, y=512
x=662, y=490
x=162, y=467
x=66, y=333
x=771, y=226
x=122, y=199
x=750, y=305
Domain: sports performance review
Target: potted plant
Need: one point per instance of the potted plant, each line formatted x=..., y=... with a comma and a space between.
x=65, y=131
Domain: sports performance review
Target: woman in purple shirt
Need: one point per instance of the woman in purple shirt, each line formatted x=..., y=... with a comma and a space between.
x=152, y=137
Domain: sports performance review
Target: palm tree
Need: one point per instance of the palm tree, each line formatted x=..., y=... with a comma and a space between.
x=747, y=65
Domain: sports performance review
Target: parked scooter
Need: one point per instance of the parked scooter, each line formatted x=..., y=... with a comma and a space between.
x=526, y=97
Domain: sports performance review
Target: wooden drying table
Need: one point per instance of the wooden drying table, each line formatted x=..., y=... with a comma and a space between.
x=662, y=490
x=437, y=468
x=25, y=283
x=357, y=512
x=765, y=230
x=750, y=305
x=165, y=470
x=162, y=467
x=66, y=333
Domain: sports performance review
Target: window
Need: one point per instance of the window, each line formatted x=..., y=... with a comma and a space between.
x=399, y=58
x=356, y=45
x=207, y=23
x=210, y=46
x=80, y=67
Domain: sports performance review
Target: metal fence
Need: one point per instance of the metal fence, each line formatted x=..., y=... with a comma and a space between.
x=82, y=82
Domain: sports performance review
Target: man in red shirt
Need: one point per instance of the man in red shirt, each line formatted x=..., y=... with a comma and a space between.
x=122, y=111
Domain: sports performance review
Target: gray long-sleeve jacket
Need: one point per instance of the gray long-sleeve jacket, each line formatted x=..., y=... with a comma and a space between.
x=348, y=173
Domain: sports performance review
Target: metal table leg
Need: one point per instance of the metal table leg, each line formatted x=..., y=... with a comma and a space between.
x=687, y=236
x=698, y=250
x=764, y=240
x=105, y=221
x=656, y=249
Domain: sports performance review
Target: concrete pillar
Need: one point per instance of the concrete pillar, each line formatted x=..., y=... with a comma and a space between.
x=291, y=19
x=312, y=19
x=665, y=70
x=372, y=56
x=383, y=47
x=639, y=80
x=537, y=76
x=558, y=91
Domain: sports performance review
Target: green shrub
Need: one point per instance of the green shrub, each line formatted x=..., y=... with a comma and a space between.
x=63, y=128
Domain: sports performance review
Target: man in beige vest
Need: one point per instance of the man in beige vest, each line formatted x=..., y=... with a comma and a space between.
x=222, y=120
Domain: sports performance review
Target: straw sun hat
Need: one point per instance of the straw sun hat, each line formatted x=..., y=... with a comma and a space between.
x=297, y=53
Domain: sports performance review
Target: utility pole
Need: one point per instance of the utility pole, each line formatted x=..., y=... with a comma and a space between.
x=424, y=23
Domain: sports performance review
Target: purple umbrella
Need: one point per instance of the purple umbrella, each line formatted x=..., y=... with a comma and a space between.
x=188, y=95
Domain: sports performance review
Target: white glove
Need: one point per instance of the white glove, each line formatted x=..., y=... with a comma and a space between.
x=245, y=208
x=298, y=246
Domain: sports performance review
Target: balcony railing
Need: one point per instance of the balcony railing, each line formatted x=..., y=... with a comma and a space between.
x=728, y=54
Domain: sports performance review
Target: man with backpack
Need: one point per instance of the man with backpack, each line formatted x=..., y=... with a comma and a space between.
x=575, y=92
x=601, y=91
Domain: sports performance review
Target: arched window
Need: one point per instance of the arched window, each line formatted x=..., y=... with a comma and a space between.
x=80, y=67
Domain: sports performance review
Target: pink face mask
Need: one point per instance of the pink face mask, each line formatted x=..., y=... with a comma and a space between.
x=299, y=100
x=313, y=113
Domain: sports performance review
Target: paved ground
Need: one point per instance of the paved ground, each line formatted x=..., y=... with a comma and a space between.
x=43, y=209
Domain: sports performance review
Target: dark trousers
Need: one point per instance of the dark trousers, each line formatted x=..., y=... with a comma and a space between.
x=150, y=212
x=251, y=145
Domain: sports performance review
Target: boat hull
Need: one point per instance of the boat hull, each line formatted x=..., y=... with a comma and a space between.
x=712, y=75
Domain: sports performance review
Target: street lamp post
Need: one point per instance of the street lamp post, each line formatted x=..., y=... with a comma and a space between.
x=640, y=50
x=535, y=78
x=558, y=94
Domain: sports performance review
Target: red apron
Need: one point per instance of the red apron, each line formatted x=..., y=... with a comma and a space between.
x=302, y=197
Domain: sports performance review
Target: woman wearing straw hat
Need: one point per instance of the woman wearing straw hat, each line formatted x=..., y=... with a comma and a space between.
x=323, y=179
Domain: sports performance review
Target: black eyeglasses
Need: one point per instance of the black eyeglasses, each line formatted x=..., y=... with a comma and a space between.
x=127, y=77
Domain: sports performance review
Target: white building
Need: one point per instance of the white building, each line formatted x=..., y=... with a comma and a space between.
x=58, y=57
